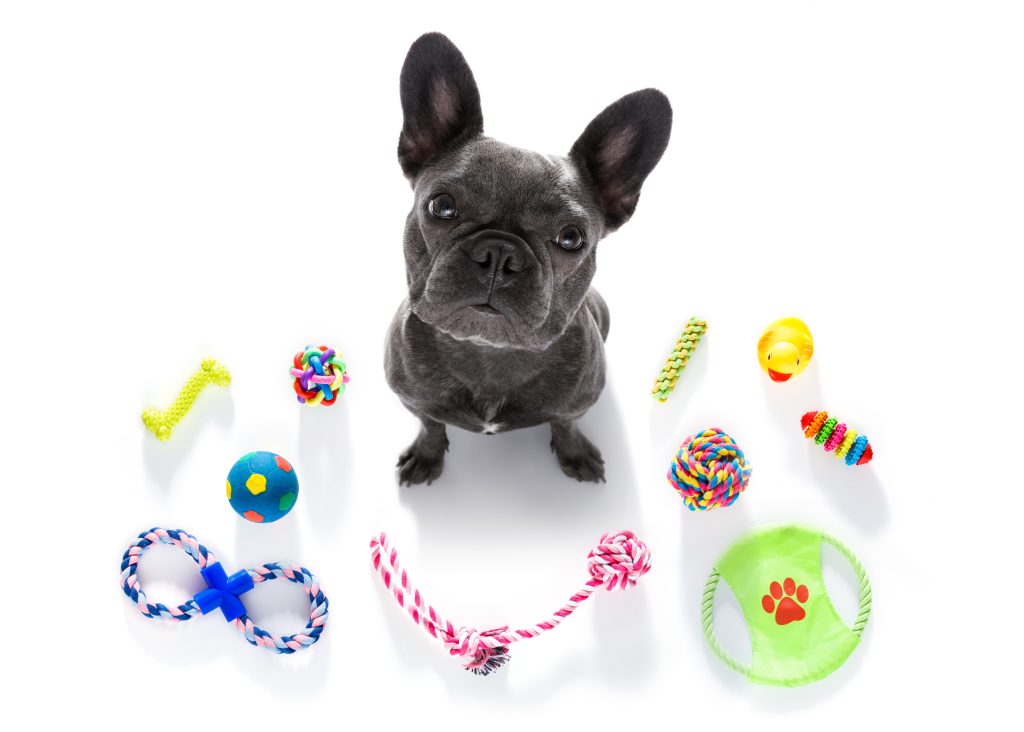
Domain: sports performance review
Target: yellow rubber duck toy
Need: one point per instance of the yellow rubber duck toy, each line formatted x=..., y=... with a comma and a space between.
x=785, y=348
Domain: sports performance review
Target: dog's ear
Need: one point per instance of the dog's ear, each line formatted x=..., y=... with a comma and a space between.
x=440, y=102
x=620, y=147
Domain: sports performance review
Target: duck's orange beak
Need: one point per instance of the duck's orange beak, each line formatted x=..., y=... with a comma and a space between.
x=776, y=376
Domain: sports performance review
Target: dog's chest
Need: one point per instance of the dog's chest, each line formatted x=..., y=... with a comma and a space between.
x=490, y=421
x=490, y=414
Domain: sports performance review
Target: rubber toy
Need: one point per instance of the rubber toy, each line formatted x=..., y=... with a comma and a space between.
x=835, y=435
x=796, y=634
x=676, y=362
x=262, y=487
x=318, y=376
x=785, y=348
x=223, y=592
x=616, y=563
x=162, y=423
x=709, y=471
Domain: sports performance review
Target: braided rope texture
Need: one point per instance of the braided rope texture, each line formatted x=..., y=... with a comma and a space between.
x=864, y=585
x=709, y=471
x=318, y=376
x=833, y=435
x=162, y=423
x=255, y=635
x=685, y=345
x=707, y=620
x=616, y=563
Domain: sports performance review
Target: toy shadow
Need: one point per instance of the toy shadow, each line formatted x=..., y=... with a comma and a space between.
x=704, y=537
x=857, y=492
x=667, y=417
x=622, y=651
x=163, y=459
x=787, y=401
x=277, y=606
x=325, y=451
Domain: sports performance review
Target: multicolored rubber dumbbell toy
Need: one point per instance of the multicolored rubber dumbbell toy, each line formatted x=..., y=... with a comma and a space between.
x=834, y=435
x=318, y=376
x=162, y=422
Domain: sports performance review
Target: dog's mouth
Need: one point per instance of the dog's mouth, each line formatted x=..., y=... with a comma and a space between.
x=457, y=301
x=486, y=309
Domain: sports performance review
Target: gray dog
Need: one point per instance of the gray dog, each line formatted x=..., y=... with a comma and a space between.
x=501, y=329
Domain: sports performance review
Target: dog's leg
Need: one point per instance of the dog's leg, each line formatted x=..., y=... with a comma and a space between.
x=423, y=460
x=577, y=456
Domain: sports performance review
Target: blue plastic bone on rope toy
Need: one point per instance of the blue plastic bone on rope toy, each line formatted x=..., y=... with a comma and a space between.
x=223, y=591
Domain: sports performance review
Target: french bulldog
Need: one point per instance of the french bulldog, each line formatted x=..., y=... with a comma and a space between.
x=501, y=329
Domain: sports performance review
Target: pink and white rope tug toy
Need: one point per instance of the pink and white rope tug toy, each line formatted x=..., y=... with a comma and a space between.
x=617, y=562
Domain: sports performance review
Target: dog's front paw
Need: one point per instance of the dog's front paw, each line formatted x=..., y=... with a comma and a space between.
x=578, y=457
x=417, y=465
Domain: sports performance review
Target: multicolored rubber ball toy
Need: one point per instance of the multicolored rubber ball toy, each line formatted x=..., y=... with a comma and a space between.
x=834, y=435
x=709, y=471
x=262, y=487
x=318, y=376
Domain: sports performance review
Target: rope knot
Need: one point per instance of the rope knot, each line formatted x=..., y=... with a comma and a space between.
x=709, y=471
x=478, y=655
x=619, y=560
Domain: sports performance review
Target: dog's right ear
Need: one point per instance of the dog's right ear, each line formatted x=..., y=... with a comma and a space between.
x=440, y=102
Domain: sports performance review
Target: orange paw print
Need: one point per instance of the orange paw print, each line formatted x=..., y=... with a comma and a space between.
x=780, y=601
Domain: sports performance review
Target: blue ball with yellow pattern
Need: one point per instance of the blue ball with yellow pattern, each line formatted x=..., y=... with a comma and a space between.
x=262, y=487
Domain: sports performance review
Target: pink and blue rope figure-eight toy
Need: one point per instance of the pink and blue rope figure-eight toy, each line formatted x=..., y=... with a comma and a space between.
x=224, y=591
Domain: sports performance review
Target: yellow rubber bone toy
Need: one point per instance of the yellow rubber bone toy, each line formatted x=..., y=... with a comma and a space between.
x=785, y=348
x=162, y=423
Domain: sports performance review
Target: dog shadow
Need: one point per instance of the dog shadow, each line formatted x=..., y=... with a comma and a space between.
x=163, y=459
x=518, y=472
x=535, y=498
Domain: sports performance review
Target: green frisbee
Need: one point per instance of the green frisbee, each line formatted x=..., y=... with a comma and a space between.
x=796, y=635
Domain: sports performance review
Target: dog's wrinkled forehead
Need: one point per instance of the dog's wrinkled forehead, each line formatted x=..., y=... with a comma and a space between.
x=492, y=182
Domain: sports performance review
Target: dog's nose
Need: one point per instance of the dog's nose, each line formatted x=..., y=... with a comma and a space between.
x=499, y=260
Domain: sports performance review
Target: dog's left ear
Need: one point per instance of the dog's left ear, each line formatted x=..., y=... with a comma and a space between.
x=440, y=102
x=621, y=147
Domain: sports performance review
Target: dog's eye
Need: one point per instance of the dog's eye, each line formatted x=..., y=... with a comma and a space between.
x=571, y=238
x=443, y=207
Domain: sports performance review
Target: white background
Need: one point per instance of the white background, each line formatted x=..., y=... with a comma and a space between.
x=205, y=178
